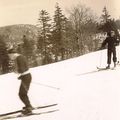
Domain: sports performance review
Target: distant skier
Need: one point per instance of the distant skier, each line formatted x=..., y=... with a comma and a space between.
x=21, y=67
x=111, y=41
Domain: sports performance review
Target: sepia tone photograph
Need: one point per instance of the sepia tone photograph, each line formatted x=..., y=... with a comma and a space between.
x=59, y=60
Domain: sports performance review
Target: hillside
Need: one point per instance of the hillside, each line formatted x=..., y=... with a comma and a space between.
x=14, y=33
x=81, y=91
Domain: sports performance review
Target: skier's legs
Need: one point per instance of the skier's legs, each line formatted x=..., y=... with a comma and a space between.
x=109, y=52
x=24, y=87
x=114, y=56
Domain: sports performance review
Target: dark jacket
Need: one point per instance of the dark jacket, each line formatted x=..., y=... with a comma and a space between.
x=111, y=42
x=22, y=64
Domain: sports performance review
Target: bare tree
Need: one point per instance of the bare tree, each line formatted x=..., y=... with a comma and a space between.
x=84, y=26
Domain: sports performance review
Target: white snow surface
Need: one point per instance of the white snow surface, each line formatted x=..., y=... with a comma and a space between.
x=81, y=94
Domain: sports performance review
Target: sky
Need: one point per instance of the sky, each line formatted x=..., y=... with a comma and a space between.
x=27, y=11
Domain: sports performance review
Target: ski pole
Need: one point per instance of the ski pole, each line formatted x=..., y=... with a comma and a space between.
x=118, y=54
x=100, y=58
x=46, y=85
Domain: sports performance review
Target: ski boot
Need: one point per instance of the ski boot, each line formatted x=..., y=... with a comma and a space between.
x=108, y=67
x=27, y=110
x=114, y=64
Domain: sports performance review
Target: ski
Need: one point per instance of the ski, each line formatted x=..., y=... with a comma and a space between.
x=94, y=71
x=21, y=115
x=18, y=111
x=104, y=68
x=97, y=70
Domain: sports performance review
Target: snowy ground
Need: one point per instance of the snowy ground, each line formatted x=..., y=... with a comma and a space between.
x=81, y=94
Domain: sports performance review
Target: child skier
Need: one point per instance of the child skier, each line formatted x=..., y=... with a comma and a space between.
x=111, y=41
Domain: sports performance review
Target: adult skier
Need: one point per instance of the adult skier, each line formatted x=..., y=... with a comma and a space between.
x=21, y=67
x=111, y=42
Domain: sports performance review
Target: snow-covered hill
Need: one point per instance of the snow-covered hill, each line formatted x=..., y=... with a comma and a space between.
x=81, y=94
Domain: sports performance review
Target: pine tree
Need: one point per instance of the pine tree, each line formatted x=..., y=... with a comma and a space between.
x=107, y=23
x=58, y=30
x=44, y=34
x=105, y=16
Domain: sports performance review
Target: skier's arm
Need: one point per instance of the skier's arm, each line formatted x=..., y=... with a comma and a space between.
x=104, y=43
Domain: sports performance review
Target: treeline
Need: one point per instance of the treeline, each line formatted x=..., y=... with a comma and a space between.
x=64, y=37
x=61, y=37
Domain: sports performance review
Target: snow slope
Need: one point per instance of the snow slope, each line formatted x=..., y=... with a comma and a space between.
x=80, y=91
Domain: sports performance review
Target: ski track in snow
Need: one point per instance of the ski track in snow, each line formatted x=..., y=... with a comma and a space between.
x=80, y=93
